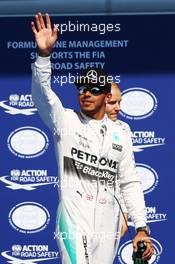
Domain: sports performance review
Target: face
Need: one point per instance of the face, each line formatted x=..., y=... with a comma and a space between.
x=113, y=105
x=93, y=105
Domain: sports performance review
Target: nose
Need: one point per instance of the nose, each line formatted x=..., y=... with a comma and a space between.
x=117, y=107
x=87, y=93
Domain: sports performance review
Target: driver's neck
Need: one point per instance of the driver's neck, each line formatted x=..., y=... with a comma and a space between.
x=97, y=116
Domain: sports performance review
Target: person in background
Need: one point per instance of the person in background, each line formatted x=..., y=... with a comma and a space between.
x=113, y=109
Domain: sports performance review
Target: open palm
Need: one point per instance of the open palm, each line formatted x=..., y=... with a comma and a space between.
x=44, y=35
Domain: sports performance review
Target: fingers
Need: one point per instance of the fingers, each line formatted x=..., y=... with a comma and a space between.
x=33, y=27
x=41, y=20
x=43, y=31
x=148, y=254
x=55, y=30
x=55, y=27
x=38, y=23
x=135, y=247
x=149, y=250
x=48, y=22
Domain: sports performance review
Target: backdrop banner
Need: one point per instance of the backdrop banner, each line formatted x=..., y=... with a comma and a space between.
x=138, y=52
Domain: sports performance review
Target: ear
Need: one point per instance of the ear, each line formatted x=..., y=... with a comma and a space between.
x=108, y=97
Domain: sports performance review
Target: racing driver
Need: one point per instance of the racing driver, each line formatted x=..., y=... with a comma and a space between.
x=95, y=162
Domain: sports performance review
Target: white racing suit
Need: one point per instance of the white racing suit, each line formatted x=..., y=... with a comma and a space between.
x=95, y=160
x=127, y=129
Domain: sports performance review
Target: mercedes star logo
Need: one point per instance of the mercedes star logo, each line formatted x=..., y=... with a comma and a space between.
x=92, y=74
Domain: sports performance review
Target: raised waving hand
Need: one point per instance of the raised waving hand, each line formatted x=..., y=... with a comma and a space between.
x=45, y=36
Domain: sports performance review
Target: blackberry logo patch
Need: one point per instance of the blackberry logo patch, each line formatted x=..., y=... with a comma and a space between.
x=117, y=147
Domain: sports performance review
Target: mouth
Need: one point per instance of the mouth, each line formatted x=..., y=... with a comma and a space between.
x=87, y=102
x=114, y=114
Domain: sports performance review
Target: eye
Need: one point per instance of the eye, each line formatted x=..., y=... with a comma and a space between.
x=112, y=103
x=82, y=89
x=95, y=89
